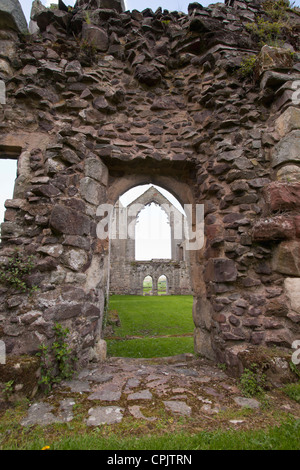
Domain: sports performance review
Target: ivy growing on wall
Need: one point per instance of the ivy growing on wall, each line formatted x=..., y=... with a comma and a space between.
x=14, y=273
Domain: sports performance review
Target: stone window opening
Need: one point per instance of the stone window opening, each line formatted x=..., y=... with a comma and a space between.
x=152, y=234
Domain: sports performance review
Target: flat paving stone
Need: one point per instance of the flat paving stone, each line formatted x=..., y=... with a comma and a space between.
x=40, y=413
x=105, y=395
x=104, y=415
x=247, y=402
x=135, y=410
x=178, y=407
x=142, y=395
x=77, y=386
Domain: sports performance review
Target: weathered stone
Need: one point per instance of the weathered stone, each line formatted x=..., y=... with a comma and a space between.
x=282, y=196
x=289, y=173
x=247, y=402
x=280, y=338
x=95, y=169
x=69, y=222
x=105, y=395
x=273, y=58
x=75, y=259
x=64, y=312
x=288, y=121
x=104, y=415
x=142, y=395
x=148, y=75
x=95, y=37
x=220, y=270
x=12, y=16
x=286, y=259
x=135, y=410
x=92, y=191
x=274, y=228
x=73, y=69
x=292, y=290
x=41, y=414
x=178, y=407
x=287, y=150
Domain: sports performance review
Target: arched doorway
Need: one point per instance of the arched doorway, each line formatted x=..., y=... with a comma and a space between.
x=147, y=285
x=162, y=285
x=179, y=179
x=157, y=279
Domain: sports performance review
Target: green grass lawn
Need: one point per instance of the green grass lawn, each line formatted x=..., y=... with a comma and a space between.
x=149, y=317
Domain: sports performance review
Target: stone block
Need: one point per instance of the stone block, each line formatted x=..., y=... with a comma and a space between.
x=148, y=75
x=95, y=169
x=282, y=196
x=220, y=270
x=91, y=191
x=273, y=58
x=289, y=173
x=12, y=16
x=69, y=222
x=280, y=338
x=203, y=344
x=95, y=37
x=75, y=259
x=288, y=121
x=274, y=228
x=286, y=259
x=292, y=290
x=287, y=150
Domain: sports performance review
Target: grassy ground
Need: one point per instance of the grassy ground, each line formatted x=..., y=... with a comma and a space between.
x=149, y=318
x=152, y=326
x=165, y=434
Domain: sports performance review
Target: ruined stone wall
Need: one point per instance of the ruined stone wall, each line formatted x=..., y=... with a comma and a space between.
x=128, y=276
x=98, y=103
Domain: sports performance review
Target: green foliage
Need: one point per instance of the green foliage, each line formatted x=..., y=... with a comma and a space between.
x=253, y=381
x=247, y=67
x=293, y=391
x=272, y=30
x=294, y=369
x=266, y=32
x=8, y=389
x=87, y=18
x=88, y=48
x=56, y=362
x=15, y=272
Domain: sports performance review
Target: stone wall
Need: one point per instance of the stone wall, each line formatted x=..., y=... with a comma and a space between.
x=101, y=101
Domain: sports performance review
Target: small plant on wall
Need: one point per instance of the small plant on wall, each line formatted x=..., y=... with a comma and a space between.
x=56, y=361
x=15, y=272
x=273, y=26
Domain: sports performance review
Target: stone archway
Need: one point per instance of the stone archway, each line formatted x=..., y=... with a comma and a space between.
x=178, y=179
